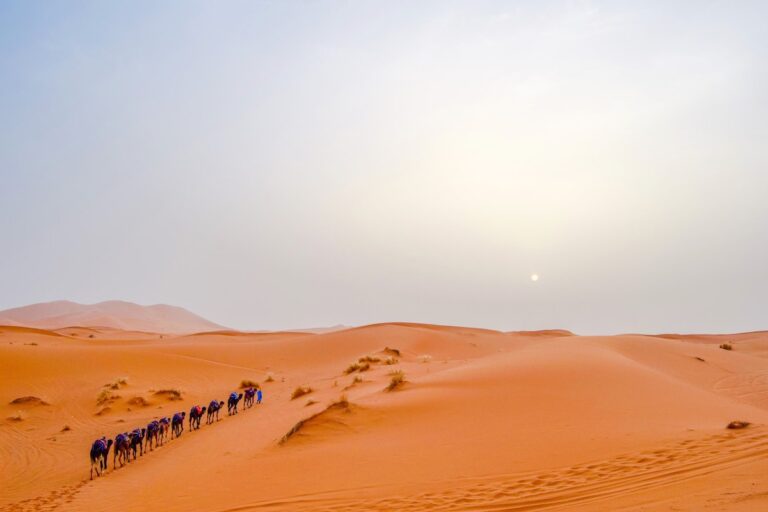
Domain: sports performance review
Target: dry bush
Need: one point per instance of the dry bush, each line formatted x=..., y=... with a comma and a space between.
x=734, y=425
x=169, y=394
x=425, y=358
x=106, y=396
x=66, y=428
x=270, y=378
x=369, y=359
x=118, y=383
x=300, y=391
x=28, y=400
x=139, y=401
x=726, y=346
x=397, y=380
x=357, y=367
x=248, y=383
x=390, y=360
x=391, y=351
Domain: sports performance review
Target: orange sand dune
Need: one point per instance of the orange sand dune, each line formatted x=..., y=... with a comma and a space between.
x=485, y=421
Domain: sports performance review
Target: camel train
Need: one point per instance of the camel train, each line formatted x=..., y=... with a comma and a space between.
x=143, y=440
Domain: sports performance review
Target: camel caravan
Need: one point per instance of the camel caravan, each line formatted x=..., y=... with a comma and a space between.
x=160, y=431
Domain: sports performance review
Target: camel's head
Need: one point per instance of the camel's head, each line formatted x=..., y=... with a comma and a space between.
x=239, y=396
x=203, y=409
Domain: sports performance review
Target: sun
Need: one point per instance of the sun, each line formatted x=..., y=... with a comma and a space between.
x=534, y=277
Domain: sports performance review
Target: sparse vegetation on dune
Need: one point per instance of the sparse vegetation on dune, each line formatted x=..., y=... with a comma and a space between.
x=425, y=358
x=735, y=425
x=310, y=402
x=391, y=351
x=248, y=383
x=369, y=359
x=357, y=380
x=118, y=383
x=396, y=381
x=28, y=400
x=726, y=346
x=169, y=394
x=357, y=367
x=300, y=391
x=270, y=378
x=139, y=401
x=390, y=360
x=341, y=404
x=66, y=428
x=106, y=396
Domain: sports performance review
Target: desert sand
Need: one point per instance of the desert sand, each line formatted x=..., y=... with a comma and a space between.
x=485, y=420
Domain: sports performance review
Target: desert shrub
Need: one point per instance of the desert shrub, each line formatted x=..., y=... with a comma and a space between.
x=169, y=394
x=106, y=396
x=248, y=383
x=270, y=378
x=357, y=367
x=425, y=358
x=28, y=400
x=726, y=346
x=139, y=401
x=397, y=380
x=118, y=383
x=66, y=428
x=391, y=351
x=737, y=425
x=300, y=391
x=369, y=359
x=389, y=360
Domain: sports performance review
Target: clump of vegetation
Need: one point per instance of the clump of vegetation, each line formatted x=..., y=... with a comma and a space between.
x=118, y=383
x=270, y=378
x=369, y=359
x=300, y=391
x=248, y=383
x=390, y=360
x=66, y=428
x=734, y=425
x=28, y=400
x=139, y=401
x=169, y=394
x=357, y=367
x=726, y=346
x=310, y=402
x=357, y=380
x=391, y=351
x=397, y=380
x=106, y=396
x=425, y=358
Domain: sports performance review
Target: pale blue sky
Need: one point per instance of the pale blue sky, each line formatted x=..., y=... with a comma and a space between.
x=287, y=164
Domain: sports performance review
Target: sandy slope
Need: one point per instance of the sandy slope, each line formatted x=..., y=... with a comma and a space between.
x=490, y=421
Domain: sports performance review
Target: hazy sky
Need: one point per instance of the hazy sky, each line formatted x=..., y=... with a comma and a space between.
x=291, y=164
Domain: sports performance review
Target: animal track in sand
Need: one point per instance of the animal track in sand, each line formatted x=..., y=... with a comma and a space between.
x=592, y=481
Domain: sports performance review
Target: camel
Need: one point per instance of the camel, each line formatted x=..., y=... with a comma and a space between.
x=136, y=442
x=99, y=455
x=163, y=430
x=153, y=429
x=177, y=424
x=122, y=450
x=250, y=394
x=234, y=398
x=213, y=410
x=195, y=415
